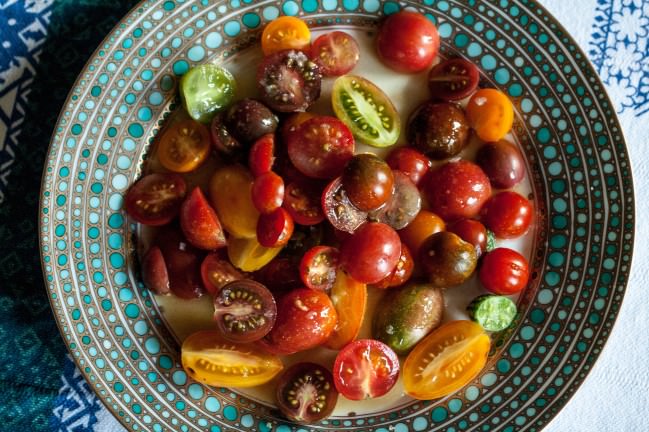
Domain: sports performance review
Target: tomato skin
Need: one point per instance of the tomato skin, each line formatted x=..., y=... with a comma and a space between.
x=155, y=199
x=490, y=114
x=407, y=42
x=306, y=393
x=184, y=146
x=230, y=194
x=275, y=229
x=154, y=271
x=268, y=192
x=284, y=33
x=281, y=274
x=507, y=214
x=339, y=210
x=262, y=155
x=216, y=272
x=199, y=222
x=368, y=181
x=504, y=271
x=457, y=190
x=453, y=79
x=502, y=162
x=306, y=318
x=371, y=253
x=424, y=225
x=365, y=369
x=410, y=162
x=401, y=273
x=318, y=267
x=471, y=231
x=336, y=53
x=349, y=297
x=301, y=200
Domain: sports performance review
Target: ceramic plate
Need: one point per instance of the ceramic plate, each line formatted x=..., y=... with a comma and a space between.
x=580, y=179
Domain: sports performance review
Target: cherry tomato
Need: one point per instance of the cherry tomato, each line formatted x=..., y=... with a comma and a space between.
x=244, y=311
x=318, y=267
x=423, y=226
x=365, y=369
x=371, y=253
x=507, y=214
x=438, y=129
x=217, y=272
x=472, y=231
x=199, y=222
x=320, y=147
x=281, y=274
x=306, y=393
x=504, y=271
x=401, y=273
x=292, y=122
x=230, y=194
x=154, y=271
x=222, y=141
x=410, y=162
x=336, y=53
x=284, y=33
x=155, y=199
x=262, y=155
x=368, y=181
x=349, y=297
x=446, y=360
x=212, y=360
x=339, y=210
x=403, y=206
x=288, y=81
x=407, y=42
x=248, y=120
x=490, y=114
x=447, y=259
x=457, y=189
x=306, y=318
x=502, y=162
x=301, y=200
x=205, y=90
x=268, y=192
x=183, y=262
x=453, y=79
x=248, y=255
x=274, y=229
x=184, y=146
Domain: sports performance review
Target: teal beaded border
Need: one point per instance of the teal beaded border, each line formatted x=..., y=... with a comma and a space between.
x=573, y=145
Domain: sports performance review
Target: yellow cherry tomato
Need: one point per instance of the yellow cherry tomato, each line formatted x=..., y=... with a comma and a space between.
x=446, y=360
x=285, y=33
x=491, y=114
x=230, y=194
x=184, y=146
x=208, y=358
x=349, y=298
x=248, y=255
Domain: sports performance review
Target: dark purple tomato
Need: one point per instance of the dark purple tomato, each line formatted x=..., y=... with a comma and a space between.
x=275, y=229
x=447, y=259
x=339, y=210
x=368, y=181
x=453, y=79
x=410, y=162
x=502, y=162
x=222, y=141
x=403, y=206
x=371, y=253
x=440, y=130
x=248, y=120
x=306, y=393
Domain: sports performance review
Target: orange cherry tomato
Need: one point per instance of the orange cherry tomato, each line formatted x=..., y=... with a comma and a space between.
x=349, y=298
x=231, y=195
x=285, y=33
x=212, y=360
x=184, y=146
x=248, y=255
x=491, y=114
x=424, y=225
x=446, y=360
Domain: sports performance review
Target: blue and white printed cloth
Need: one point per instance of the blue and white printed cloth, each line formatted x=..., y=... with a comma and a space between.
x=614, y=34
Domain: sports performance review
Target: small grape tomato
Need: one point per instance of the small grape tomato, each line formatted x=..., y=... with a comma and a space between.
x=275, y=229
x=371, y=253
x=504, y=271
x=262, y=155
x=268, y=192
x=508, y=214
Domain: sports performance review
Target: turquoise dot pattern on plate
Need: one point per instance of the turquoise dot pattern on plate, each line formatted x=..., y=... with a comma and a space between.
x=567, y=131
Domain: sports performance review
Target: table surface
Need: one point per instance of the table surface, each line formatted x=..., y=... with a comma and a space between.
x=44, y=44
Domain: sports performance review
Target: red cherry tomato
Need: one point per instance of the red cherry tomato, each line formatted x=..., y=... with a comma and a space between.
x=320, y=147
x=472, y=231
x=457, y=189
x=407, y=42
x=504, y=271
x=268, y=192
x=371, y=253
x=301, y=200
x=502, y=162
x=318, y=267
x=216, y=272
x=199, y=222
x=453, y=79
x=507, y=214
x=154, y=271
x=183, y=262
x=336, y=53
x=262, y=155
x=365, y=369
x=274, y=229
x=339, y=210
x=410, y=162
x=155, y=199
x=401, y=273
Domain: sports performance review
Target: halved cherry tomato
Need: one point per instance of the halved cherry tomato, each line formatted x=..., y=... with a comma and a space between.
x=336, y=53
x=262, y=155
x=318, y=267
x=410, y=162
x=490, y=114
x=284, y=33
x=306, y=393
x=508, y=214
x=401, y=273
x=453, y=79
x=184, y=146
x=199, y=222
x=504, y=271
x=155, y=199
x=275, y=229
x=292, y=122
x=230, y=193
x=446, y=360
x=183, y=262
x=424, y=225
x=371, y=253
x=244, y=311
x=302, y=201
x=214, y=361
x=268, y=192
x=365, y=369
x=217, y=272
x=222, y=141
x=320, y=147
x=154, y=271
x=248, y=255
x=342, y=214
x=349, y=297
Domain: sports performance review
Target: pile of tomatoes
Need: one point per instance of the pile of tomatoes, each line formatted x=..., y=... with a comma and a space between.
x=293, y=228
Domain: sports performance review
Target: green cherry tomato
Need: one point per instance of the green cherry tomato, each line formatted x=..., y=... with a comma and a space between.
x=206, y=90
